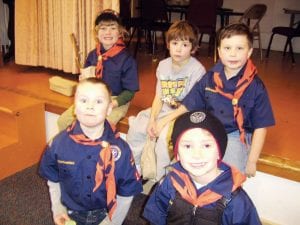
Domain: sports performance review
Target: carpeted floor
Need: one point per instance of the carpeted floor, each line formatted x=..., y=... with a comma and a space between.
x=24, y=200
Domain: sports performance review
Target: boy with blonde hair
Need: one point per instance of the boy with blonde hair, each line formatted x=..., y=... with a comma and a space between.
x=90, y=170
x=111, y=62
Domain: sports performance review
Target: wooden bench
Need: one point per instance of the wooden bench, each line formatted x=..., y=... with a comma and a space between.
x=22, y=132
x=57, y=103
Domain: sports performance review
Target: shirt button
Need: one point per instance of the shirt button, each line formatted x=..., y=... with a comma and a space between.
x=88, y=195
x=88, y=177
x=89, y=157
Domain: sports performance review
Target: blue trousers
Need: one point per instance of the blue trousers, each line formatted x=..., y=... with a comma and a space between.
x=236, y=152
x=93, y=217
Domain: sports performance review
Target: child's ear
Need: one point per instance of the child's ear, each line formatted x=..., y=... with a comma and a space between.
x=218, y=49
x=74, y=109
x=95, y=32
x=219, y=155
x=250, y=52
x=120, y=34
x=194, y=50
x=168, y=46
x=110, y=107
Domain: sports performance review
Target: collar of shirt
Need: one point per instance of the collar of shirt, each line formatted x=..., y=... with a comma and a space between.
x=222, y=184
x=107, y=135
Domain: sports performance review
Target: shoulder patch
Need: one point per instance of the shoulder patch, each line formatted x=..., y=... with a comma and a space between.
x=116, y=152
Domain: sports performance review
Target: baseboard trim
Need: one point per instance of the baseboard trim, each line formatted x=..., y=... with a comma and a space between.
x=267, y=222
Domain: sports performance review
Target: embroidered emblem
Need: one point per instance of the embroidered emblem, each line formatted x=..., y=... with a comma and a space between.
x=197, y=117
x=116, y=152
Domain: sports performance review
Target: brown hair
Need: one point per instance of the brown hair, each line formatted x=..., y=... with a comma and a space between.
x=183, y=30
x=235, y=29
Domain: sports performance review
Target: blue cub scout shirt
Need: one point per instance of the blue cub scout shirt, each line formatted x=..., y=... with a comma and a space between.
x=255, y=103
x=73, y=165
x=119, y=72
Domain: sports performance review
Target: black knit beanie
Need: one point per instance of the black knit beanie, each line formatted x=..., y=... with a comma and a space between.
x=200, y=119
x=108, y=15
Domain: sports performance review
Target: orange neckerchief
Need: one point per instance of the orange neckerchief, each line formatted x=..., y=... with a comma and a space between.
x=114, y=50
x=189, y=193
x=105, y=167
x=241, y=86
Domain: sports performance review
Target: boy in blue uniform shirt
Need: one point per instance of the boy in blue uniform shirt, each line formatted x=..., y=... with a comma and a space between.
x=200, y=188
x=234, y=93
x=111, y=62
x=90, y=170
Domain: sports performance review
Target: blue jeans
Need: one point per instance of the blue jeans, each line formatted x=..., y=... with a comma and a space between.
x=236, y=152
x=93, y=217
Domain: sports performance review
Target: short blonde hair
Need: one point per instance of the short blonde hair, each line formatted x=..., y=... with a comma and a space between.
x=94, y=80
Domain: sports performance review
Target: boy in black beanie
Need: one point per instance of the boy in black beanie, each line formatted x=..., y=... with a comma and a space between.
x=200, y=188
x=111, y=62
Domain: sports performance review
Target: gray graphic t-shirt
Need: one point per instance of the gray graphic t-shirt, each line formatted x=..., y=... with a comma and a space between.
x=172, y=85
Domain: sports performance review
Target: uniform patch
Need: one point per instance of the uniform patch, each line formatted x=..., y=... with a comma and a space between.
x=197, y=117
x=116, y=152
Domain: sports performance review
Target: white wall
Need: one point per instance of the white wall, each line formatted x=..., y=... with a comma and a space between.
x=51, y=125
x=277, y=199
x=275, y=16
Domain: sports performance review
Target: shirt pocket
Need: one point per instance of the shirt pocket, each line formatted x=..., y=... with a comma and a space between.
x=66, y=170
x=247, y=104
x=212, y=99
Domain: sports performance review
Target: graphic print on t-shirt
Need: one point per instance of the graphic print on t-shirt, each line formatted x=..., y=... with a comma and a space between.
x=172, y=90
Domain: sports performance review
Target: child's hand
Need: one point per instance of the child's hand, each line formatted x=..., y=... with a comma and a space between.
x=87, y=72
x=61, y=219
x=151, y=129
x=250, y=169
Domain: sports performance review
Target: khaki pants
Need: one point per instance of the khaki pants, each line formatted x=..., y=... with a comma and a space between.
x=137, y=136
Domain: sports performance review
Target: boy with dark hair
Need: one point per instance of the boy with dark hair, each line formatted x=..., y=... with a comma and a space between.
x=234, y=93
x=200, y=188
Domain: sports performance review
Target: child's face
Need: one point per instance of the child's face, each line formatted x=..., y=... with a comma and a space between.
x=180, y=50
x=234, y=53
x=108, y=34
x=92, y=104
x=198, y=154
